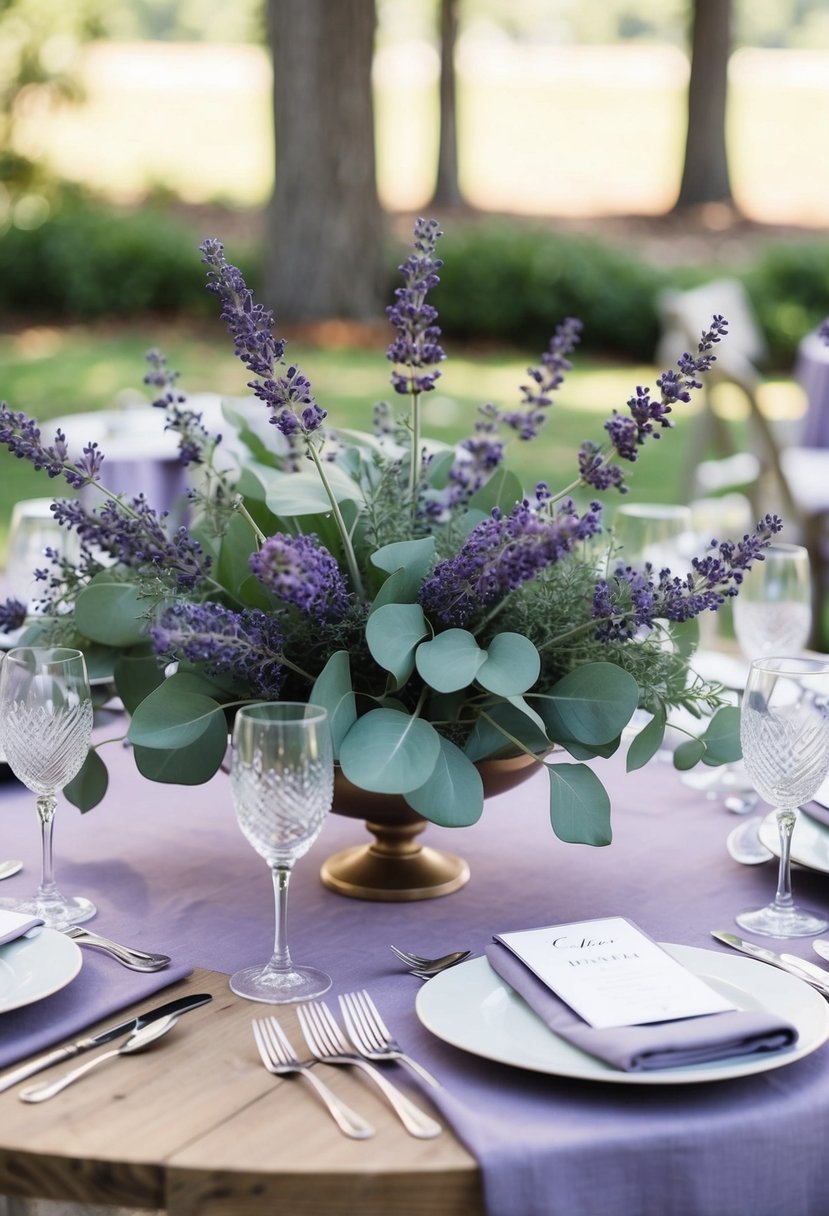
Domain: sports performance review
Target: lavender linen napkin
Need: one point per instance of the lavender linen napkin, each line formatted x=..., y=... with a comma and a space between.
x=15, y=924
x=717, y=1036
x=100, y=990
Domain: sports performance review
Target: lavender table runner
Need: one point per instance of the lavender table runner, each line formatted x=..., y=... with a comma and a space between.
x=170, y=870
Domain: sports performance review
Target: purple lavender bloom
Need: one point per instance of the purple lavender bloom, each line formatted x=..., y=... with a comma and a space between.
x=824, y=331
x=246, y=646
x=501, y=554
x=193, y=436
x=12, y=615
x=416, y=345
x=136, y=538
x=289, y=397
x=21, y=435
x=647, y=414
x=633, y=598
x=301, y=571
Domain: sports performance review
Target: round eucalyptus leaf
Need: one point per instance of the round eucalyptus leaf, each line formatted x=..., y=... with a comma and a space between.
x=88, y=786
x=453, y=796
x=647, y=743
x=172, y=717
x=592, y=704
x=136, y=676
x=190, y=765
x=450, y=661
x=112, y=613
x=722, y=737
x=512, y=665
x=688, y=754
x=392, y=633
x=333, y=691
x=579, y=805
x=389, y=752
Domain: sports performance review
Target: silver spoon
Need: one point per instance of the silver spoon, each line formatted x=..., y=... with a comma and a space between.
x=741, y=804
x=7, y=868
x=138, y=1040
x=744, y=845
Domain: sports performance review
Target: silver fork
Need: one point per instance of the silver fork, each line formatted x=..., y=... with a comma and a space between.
x=135, y=960
x=327, y=1042
x=279, y=1057
x=372, y=1037
x=429, y=966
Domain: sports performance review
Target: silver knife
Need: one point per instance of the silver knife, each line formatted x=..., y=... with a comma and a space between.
x=789, y=964
x=182, y=1005
x=819, y=974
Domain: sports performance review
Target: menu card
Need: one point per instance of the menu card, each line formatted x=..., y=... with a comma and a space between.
x=613, y=974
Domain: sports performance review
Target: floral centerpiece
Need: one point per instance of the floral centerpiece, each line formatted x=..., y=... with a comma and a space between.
x=441, y=613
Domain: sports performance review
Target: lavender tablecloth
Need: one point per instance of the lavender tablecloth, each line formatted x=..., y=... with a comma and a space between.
x=170, y=870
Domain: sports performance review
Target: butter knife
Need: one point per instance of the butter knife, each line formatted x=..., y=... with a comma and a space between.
x=182, y=1005
x=788, y=963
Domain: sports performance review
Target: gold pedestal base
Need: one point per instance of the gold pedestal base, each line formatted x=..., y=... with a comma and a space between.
x=395, y=868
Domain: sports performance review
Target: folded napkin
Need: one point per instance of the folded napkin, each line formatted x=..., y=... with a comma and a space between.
x=16, y=924
x=714, y=1036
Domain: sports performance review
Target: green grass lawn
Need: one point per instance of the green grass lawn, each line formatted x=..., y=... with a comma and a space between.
x=47, y=372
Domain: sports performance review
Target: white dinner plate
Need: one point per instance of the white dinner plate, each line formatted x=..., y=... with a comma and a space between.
x=34, y=967
x=810, y=841
x=470, y=1007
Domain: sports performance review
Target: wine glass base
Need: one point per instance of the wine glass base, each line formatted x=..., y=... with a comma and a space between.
x=782, y=922
x=276, y=987
x=61, y=913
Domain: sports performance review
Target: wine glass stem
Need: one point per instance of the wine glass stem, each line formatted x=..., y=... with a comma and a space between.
x=785, y=826
x=281, y=959
x=46, y=813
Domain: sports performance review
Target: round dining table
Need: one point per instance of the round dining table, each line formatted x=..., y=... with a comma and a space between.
x=196, y=1126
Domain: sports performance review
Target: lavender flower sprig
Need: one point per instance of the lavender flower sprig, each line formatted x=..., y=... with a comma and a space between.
x=648, y=415
x=634, y=598
x=416, y=347
x=294, y=410
x=246, y=646
x=300, y=571
x=501, y=554
x=195, y=443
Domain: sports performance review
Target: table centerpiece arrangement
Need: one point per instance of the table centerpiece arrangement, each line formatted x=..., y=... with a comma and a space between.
x=461, y=631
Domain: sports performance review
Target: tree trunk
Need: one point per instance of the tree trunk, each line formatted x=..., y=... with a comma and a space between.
x=705, y=176
x=324, y=254
x=447, y=188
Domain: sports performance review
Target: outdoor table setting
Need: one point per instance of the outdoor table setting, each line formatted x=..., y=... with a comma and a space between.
x=550, y=1131
x=544, y=1008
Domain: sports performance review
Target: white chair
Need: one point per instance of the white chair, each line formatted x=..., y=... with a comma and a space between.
x=775, y=473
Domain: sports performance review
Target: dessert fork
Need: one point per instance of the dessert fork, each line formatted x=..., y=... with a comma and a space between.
x=429, y=966
x=136, y=960
x=372, y=1038
x=327, y=1042
x=279, y=1058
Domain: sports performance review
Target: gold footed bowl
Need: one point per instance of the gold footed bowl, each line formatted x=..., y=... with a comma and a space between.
x=395, y=867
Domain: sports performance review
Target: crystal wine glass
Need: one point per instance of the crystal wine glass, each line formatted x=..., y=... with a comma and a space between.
x=655, y=532
x=773, y=612
x=784, y=730
x=282, y=778
x=45, y=726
